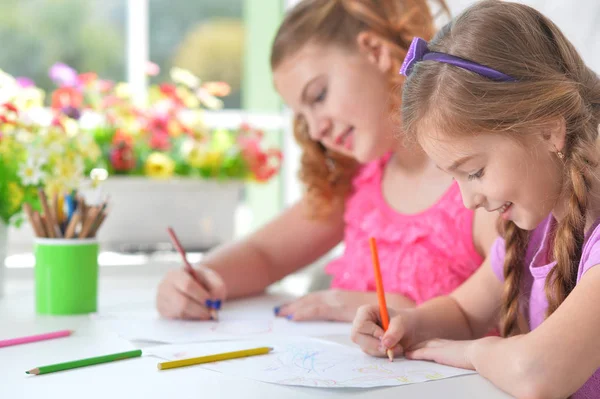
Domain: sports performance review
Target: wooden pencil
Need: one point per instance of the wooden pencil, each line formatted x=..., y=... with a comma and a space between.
x=213, y=358
x=82, y=207
x=89, y=221
x=37, y=218
x=56, y=216
x=385, y=318
x=29, y=212
x=47, y=216
x=35, y=338
x=70, y=232
x=98, y=223
x=84, y=362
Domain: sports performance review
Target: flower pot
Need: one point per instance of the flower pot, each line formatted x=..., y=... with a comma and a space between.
x=140, y=209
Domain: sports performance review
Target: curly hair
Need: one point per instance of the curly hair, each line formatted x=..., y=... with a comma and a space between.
x=328, y=175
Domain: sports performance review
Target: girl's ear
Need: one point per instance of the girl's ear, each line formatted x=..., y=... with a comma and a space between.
x=554, y=134
x=376, y=49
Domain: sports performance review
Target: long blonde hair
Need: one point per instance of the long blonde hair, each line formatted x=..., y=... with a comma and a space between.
x=552, y=83
x=328, y=175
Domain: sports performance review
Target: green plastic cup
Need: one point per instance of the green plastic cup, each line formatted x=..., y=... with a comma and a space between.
x=66, y=276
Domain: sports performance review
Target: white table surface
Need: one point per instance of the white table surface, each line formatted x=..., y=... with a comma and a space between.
x=139, y=378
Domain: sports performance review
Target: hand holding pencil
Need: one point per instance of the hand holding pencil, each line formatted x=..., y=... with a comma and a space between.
x=373, y=330
x=190, y=293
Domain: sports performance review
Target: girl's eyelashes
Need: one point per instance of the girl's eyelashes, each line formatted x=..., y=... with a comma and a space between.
x=321, y=96
x=476, y=175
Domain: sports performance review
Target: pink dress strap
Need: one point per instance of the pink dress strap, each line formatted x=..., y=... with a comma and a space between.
x=422, y=255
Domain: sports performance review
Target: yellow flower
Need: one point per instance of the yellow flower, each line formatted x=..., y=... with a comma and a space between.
x=68, y=171
x=31, y=97
x=213, y=159
x=123, y=90
x=88, y=147
x=54, y=186
x=184, y=77
x=189, y=99
x=159, y=166
x=71, y=127
x=15, y=197
x=198, y=155
x=174, y=128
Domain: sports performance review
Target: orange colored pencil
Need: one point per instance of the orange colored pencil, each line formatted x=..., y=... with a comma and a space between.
x=385, y=318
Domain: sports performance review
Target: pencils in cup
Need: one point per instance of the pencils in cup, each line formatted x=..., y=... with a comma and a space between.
x=78, y=221
x=385, y=318
x=214, y=358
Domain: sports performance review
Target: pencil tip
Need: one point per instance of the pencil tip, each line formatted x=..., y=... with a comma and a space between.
x=271, y=349
x=390, y=355
x=27, y=372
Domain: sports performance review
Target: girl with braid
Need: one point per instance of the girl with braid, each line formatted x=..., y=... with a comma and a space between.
x=335, y=63
x=502, y=101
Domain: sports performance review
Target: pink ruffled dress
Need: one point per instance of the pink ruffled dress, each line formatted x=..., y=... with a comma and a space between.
x=422, y=255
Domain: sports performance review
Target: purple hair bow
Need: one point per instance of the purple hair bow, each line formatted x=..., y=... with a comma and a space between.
x=419, y=51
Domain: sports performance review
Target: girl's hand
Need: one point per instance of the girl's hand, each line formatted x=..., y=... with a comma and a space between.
x=369, y=335
x=444, y=351
x=180, y=296
x=332, y=305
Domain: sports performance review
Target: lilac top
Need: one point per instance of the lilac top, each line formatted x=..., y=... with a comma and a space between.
x=538, y=267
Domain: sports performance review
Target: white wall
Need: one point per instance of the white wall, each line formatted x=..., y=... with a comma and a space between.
x=578, y=19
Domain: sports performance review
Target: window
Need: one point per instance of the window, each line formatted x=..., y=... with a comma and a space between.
x=116, y=38
x=205, y=37
x=85, y=34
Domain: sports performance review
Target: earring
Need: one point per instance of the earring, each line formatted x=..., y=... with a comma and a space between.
x=559, y=153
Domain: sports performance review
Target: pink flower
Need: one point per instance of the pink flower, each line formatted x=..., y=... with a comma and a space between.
x=152, y=69
x=160, y=141
x=64, y=75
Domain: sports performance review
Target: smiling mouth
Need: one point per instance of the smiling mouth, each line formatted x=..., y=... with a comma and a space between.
x=340, y=140
x=503, y=208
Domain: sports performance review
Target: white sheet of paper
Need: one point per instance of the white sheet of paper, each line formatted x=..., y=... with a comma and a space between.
x=310, y=362
x=232, y=325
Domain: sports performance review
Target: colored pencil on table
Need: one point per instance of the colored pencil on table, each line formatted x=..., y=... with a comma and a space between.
x=385, y=318
x=213, y=358
x=35, y=338
x=189, y=268
x=84, y=362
